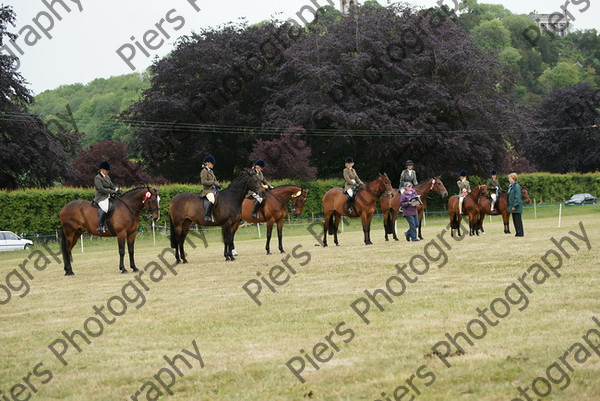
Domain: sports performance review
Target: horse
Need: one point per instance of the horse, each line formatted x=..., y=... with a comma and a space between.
x=334, y=206
x=80, y=216
x=501, y=207
x=274, y=210
x=470, y=206
x=187, y=208
x=391, y=206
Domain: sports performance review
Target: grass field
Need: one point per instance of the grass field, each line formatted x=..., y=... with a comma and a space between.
x=244, y=348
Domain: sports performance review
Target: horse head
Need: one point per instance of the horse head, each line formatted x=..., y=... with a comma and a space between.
x=438, y=186
x=525, y=195
x=385, y=182
x=253, y=183
x=481, y=190
x=298, y=201
x=151, y=202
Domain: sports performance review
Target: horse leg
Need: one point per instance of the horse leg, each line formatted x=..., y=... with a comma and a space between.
x=506, y=222
x=336, y=224
x=130, y=251
x=385, y=223
x=280, y=235
x=121, y=241
x=269, y=232
x=366, y=224
x=394, y=219
x=185, y=228
x=67, y=245
x=421, y=213
x=326, y=227
x=227, y=241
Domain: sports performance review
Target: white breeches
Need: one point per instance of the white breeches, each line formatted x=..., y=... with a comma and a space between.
x=350, y=192
x=104, y=205
x=211, y=197
x=257, y=197
x=493, y=197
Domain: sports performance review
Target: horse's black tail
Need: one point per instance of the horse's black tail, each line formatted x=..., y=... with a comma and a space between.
x=389, y=224
x=63, y=246
x=331, y=227
x=172, y=233
x=455, y=225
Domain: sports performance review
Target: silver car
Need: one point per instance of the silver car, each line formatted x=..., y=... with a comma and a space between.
x=11, y=241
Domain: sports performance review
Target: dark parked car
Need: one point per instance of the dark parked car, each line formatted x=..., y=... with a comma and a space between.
x=580, y=199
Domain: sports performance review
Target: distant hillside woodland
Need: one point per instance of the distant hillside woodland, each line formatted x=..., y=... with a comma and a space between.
x=473, y=91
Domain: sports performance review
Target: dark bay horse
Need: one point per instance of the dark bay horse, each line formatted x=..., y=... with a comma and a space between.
x=80, y=216
x=274, y=210
x=187, y=208
x=470, y=207
x=334, y=206
x=501, y=207
x=390, y=206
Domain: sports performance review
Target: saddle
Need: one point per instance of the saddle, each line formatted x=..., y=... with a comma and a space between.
x=111, y=207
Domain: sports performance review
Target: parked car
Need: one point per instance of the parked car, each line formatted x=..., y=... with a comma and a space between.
x=580, y=199
x=11, y=241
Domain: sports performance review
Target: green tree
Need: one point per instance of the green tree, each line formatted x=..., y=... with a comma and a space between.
x=491, y=35
x=563, y=74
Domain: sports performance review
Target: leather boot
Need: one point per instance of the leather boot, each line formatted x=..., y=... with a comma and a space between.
x=207, y=213
x=101, y=218
x=255, y=210
x=349, y=204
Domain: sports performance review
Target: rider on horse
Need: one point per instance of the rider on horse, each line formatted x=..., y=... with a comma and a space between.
x=352, y=182
x=104, y=190
x=408, y=175
x=210, y=185
x=464, y=187
x=492, y=183
x=257, y=168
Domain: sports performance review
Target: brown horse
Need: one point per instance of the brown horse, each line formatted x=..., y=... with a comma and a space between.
x=390, y=207
x=80, y=216
x=470, y=207
x=187, y=208
x=274, y=210
x=334, y=206
x=501, y=207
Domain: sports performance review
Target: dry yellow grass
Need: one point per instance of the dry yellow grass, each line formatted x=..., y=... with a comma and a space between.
x=245, y=347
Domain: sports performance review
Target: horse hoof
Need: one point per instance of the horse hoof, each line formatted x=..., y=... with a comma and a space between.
x=269, y=253
x=69, y=273
x=178, y=261
x=396, y=239
x=135, y=270
x=386, y=240
x=124, y=271
x=368, y=243
x=184, y=261
x=232, y=258
x=281, y=251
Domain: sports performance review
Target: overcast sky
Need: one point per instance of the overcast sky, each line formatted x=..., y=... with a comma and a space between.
x=84, y=44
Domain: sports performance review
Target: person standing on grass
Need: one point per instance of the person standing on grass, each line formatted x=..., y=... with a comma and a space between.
x=409, y=211
x=515, y=203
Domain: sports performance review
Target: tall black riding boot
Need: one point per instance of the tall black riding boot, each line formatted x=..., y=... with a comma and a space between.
x=255, y=209
x=207, y=213
x=349, y=204
x=101, y=218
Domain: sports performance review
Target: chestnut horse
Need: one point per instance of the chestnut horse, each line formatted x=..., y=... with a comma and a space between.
x=187, y=208
x=470, y=207
x=80, y=216
x=334, y=206
x=390, y=207
x=501, y=207
x=274, y=210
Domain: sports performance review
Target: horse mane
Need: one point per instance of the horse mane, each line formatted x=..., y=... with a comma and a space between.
x=136, y=188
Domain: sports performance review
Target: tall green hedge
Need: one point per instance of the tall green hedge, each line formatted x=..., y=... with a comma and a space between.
x=34, y=211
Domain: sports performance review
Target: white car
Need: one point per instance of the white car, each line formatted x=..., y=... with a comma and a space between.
x=11, y=241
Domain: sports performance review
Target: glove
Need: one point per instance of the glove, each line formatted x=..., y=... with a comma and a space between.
x=353, y=181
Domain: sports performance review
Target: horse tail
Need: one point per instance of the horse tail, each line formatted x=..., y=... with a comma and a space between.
x=331, y=227
x=172, y=233
x=455, y=221
x=389, y=224
x=63, y=246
